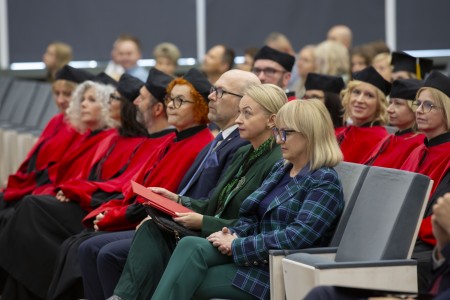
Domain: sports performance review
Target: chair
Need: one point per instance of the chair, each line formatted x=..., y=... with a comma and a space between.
x=5, y=84
x=352, y=177
x=19, y=139
x=12, y=113
x=377, y=243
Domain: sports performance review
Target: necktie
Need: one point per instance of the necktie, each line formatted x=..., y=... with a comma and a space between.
x=211, y=150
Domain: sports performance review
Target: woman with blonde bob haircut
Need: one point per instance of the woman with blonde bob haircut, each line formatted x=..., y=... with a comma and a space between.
x=302, y=117
x=297, y=206
x=364, y=102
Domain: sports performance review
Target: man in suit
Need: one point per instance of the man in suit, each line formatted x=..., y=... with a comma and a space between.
x=210, y=164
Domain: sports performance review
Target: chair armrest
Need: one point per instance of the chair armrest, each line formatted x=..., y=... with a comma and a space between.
x=321, y=250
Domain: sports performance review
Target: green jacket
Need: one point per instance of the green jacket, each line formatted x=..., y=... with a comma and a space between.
x=253, y=180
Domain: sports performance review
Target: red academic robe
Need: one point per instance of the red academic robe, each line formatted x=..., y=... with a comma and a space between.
x=433, y=160
x=357, y=142
x=52, y=144
x=165, y=168
x=75, y=163
x=121, y=165
x=393, y=150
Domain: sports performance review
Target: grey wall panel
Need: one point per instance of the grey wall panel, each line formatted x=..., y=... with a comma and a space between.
x=91, y=26
x=423, y=25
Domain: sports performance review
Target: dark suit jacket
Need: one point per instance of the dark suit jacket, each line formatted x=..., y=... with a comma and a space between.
x=215, y=167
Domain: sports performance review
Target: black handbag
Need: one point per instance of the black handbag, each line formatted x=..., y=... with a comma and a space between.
x=167, y=224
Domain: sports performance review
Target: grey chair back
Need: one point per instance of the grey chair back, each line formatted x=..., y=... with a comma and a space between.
x=17, y=102
x=5, y=84
x=41, y=101
x=352, y=177
x=384, y=221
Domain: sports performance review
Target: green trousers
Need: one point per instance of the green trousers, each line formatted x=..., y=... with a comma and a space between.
x=197, y=270
x=149, y=254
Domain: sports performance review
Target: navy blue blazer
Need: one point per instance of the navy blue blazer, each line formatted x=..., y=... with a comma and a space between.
x=207, y=179
x=297, y=218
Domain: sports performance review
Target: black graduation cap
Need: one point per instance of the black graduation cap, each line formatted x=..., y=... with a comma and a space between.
x=438, y=81
x=326, y=83
x=71, y=74
x=370, y=75
x=157, y=82
x=285, y=60
x=405, y=89
x=105, y=79
x=416, y=65
x=129, y=86
x=199, y=81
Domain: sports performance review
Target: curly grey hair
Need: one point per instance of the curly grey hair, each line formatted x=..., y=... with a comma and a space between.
x=102, y=93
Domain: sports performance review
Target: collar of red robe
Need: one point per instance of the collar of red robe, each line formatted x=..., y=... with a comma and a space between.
x=161, y=133
x=189, y=132
x=440, y=139
x=403, y=132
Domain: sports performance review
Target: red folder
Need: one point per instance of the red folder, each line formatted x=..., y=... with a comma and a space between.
x=157, y=201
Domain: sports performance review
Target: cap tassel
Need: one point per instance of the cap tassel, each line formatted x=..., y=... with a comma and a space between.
x=418, y=72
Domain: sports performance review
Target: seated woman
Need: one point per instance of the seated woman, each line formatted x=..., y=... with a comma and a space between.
x=249, y=167
x=31, y=237
x=326, y=88
x=297, y=206
x=364, y=103
x=431, y=158
x=392, y=151
x=54, y=141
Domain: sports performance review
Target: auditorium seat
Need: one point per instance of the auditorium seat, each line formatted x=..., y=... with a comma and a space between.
x=377, y=243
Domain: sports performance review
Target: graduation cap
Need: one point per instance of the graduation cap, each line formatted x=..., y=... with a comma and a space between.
x=105, y=79
x=370, y=75
x=129, y=86
x=326, y=83
x=285, y=60
x=438, y=81
x=405, y=89
x=157, y=82
x=416, y=65
x=71, y=74
x=199, y=81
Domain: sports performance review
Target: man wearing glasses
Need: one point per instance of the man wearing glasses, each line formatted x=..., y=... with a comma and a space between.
x=214, y=159
x=273, y=66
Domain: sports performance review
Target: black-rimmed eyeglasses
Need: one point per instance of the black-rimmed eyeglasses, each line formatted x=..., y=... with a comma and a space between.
x=177, y=101
x=220, y=91
x=281, y=133
x=114, y=97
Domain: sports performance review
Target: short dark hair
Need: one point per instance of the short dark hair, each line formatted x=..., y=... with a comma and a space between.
x=228, y=56
x=128, y=37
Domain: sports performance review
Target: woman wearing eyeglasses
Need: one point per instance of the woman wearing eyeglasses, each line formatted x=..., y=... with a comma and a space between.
x=151, y=248
x=364, y=103
x=392, y=151
x=431, y=158
x=297, y=206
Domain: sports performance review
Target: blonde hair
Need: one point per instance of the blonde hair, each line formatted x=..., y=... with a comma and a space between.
x=313, y=121
x=332, y=58
x=63, y=53
x=269, y=96
x=441, y=100
x=167, y=50
x=102, y=93
x=382, y=56
x=381, y=112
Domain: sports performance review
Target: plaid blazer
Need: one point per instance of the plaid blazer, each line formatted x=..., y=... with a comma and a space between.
x=299, y=217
